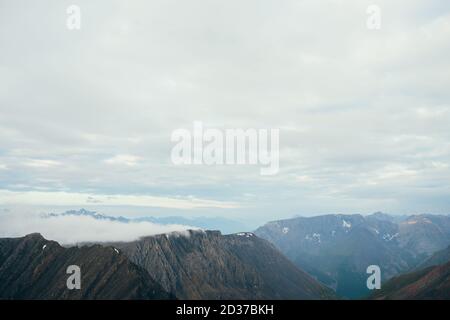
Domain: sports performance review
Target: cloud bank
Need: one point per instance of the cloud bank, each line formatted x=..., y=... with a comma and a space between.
x=70, y=230
x=48, y=198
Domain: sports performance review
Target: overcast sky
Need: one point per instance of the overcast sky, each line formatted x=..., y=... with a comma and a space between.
x=364, y=115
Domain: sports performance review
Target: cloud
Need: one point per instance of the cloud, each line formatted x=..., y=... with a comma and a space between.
x=69, y=230
x=42, y=163
x=123, y=159
x=46, y=198
x=363, y=114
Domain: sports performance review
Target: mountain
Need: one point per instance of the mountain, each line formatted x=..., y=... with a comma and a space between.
x=189, y=265
x=424, y=234
x=440, y=257
x=87, y=213
x=387, y=217
x=207, y=223
x=432, y=283
x=226, y=226
x=209, y=265
x=35, y=268
x=337, y=249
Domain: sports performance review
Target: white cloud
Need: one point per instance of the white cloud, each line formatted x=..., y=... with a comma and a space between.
x=42, y=163
x=71, y=230
x=43, y=198
x=123, y=159
x=350, y=102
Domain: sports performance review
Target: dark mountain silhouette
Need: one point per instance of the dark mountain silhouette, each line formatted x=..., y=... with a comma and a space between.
x=35, y=268
x=209, y=265
x=192, y=265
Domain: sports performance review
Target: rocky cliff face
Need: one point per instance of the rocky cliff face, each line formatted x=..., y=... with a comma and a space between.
x=196, y=265
x=35, y=268
x=209, y=265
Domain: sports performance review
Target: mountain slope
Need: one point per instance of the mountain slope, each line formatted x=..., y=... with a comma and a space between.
x=35, y=268
x=440, y=257
x=432, y=283
x=424, y=234
x=209, y=265
x=337, y=249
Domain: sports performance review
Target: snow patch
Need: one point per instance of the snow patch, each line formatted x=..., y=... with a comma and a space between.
x=314, y=237
x=245, y=234
x=346, y=224
x=389, y=237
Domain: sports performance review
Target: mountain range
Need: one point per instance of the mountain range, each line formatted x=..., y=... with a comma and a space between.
x=322, y=257
x=337, y=249
x=226, y=226
x=209, y=265
x=196, y=265
x=35, y=268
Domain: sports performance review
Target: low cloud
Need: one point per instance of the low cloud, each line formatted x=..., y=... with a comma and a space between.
x=69, y=230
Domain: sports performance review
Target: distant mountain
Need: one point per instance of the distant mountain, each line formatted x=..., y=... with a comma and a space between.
x=440, y=257
x=207, y=223
x=424, y=234
x=432, y=283
x=87, y=213
x=387, y=217
x=35, y=268
x=209, y=265
x=337, y=249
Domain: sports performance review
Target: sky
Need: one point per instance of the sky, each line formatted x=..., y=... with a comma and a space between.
x=86, y=115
